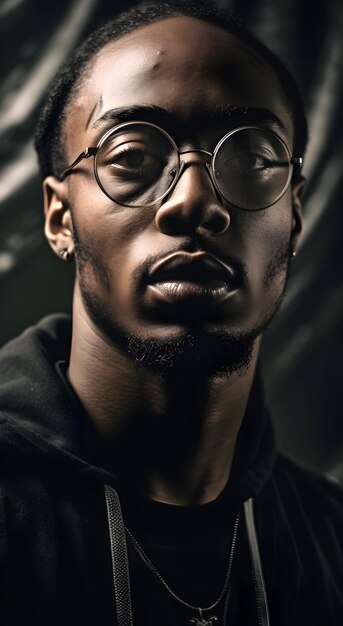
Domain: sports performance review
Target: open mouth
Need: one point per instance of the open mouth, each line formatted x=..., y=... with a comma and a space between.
x=199, y=276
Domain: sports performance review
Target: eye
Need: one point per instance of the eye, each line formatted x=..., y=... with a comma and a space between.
x=249, y=161
x=133, y=158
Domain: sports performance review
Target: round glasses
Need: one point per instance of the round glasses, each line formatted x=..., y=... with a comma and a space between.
x=137, y=164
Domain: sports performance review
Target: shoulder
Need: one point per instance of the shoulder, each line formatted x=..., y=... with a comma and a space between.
x=27, y=361
x=299, y=517
x=307, y=510
x=51, y=331
x=307, y=488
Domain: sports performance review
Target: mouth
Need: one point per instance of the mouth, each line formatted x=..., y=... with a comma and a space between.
x=192, y=277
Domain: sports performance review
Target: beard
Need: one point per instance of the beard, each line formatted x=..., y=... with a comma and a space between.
x=196, y=350
x=202, y=352
x=213, y=354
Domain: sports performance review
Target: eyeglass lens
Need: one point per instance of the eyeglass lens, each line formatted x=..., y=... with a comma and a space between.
x=136, y=165
x=251, y=168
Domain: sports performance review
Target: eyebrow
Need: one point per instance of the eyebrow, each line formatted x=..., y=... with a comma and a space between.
x=143, y=113
x=230, y=114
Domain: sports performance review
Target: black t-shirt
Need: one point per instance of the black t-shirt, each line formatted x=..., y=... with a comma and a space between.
x=190, y=547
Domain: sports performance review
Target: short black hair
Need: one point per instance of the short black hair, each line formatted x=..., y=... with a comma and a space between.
x=71, y=76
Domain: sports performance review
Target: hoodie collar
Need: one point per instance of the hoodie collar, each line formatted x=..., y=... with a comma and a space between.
x=41, y=418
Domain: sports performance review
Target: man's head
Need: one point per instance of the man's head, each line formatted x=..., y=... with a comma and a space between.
x=191, y=279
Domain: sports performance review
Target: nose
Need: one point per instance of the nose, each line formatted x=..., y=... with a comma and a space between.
x=193, y=204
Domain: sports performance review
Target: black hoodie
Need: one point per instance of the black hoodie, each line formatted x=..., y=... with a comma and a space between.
x=55, y=555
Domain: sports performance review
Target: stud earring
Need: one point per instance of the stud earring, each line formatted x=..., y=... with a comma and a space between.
x=66, y=255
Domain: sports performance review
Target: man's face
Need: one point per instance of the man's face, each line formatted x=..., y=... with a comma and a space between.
x=190, y=69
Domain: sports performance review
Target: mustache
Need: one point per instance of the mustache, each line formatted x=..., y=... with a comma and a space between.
x=237, y=265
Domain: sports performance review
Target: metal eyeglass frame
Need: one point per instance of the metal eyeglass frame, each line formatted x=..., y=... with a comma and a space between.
x=93, y=151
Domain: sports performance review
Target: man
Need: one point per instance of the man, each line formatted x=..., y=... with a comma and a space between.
x=140, y=483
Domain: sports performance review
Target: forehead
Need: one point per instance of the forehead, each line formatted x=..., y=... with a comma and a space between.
x=182, y=64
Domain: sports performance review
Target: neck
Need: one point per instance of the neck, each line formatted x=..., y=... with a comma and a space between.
x=173, y=437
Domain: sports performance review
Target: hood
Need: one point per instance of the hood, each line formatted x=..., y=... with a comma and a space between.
x=41, y=422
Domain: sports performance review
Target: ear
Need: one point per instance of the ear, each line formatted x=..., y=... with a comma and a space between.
x=297, y=191
x=58, y=223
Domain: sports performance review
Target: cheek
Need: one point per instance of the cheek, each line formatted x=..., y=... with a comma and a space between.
x=264, y=239
x=97, y=217
x=109, y=245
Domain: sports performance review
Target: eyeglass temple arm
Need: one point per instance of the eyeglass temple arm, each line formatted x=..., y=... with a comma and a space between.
x=297, y=161
x=88, y=152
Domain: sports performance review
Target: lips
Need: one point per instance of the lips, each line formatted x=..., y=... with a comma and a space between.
x=200, y=277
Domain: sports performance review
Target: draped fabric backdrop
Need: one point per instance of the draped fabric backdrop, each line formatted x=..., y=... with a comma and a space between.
x=301, y=351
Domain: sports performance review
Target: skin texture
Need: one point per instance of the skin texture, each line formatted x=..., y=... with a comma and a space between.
x=175, y=431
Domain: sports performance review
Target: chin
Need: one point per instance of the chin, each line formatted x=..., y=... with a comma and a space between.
x=178, y=348
x=190, y=351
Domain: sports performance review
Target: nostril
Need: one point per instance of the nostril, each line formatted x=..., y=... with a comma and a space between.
x=170, y=224
x=215, y=220
x=218, y=222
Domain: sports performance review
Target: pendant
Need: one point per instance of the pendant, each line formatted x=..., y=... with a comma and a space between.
x=203, y=621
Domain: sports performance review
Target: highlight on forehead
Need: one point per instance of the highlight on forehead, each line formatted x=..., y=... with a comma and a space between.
x=112, y=58
x=49, y=137
x=152, y=45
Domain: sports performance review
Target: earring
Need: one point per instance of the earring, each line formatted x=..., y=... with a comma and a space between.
x=66, y=255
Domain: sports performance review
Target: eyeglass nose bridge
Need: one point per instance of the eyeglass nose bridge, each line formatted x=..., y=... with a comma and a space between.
x=181, y=152
x=206, y=163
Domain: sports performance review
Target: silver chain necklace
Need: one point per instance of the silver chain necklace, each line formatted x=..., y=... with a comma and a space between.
x=201, y=620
